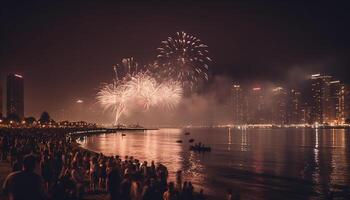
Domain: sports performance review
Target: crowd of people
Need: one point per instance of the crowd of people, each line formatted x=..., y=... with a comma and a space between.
x=46, y=164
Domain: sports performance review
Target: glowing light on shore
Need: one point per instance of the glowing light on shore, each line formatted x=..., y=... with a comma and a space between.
x=256, y=89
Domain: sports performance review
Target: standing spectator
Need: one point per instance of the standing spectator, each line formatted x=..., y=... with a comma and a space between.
x=46, y=171
x=179, y=180
x=25, y=184
x=78, y=178
x=102, y=174
x=93, y=174
x=200, y=196
x=171, y=193
x=113, y=181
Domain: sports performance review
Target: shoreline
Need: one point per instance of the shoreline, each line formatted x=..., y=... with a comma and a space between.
x=71, y=134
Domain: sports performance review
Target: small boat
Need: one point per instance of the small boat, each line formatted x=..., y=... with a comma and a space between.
x=191, y=140
x=200, y=149
x=123, y=134
x=178, y=141
x=187, y=133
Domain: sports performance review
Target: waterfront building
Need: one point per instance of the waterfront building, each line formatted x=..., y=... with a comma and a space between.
x=336, y=104
x=279, y=105
x=1, y=114
x=237, y=104
x=294, y=108
x=347, y=103
x=319, y=102
x=15, y=96
x=306, y=114
x=256, y=106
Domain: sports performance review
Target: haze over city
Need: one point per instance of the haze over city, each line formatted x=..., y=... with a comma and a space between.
x=65, y=52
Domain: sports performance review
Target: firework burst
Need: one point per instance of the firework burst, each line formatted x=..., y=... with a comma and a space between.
x=183, y=57
x=140, y=90
x=182, y=62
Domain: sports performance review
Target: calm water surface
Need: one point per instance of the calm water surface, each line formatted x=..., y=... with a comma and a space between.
x=257, y=163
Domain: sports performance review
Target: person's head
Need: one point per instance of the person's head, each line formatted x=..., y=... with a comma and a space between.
x=171, y=186
x=29, y=163
x=74, y=165
x=178, y=172
x=147, y=182
x=185, y=184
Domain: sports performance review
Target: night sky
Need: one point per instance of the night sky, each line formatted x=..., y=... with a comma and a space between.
x=65, y=50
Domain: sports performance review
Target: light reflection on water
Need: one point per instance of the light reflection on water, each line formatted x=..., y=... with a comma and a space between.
x=258, y=163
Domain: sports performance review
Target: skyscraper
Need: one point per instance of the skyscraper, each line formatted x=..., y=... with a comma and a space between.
x=347, y=103
x=15, y=97
x=237, y=101
x=319, y=101
x=1, y=115
x=256, y=107
x=294, y=109
x=336, y=104
x=279, y=105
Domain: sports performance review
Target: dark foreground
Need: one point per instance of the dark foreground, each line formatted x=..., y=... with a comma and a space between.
x=67, y=171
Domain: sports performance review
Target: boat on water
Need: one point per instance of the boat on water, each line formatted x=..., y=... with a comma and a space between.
x=200, y=148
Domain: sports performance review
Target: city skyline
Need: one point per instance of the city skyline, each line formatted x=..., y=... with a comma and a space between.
x=319, y=99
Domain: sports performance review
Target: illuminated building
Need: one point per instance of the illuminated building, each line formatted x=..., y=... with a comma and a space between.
x=256, y=107
x=1, y=115
x=319, y=101
x=279, y=105
x=347, y=103
x=237, y=101
x=336, y=104
x=294, y=108
x=305, y=112
x=328, y=100
x=15, y=98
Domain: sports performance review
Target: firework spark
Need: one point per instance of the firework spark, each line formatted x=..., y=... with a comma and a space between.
x=182, y=62
x=114, y=97
x=141, y=90
x=184, y=58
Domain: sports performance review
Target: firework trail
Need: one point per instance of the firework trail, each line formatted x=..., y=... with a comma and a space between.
x=183, y=57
